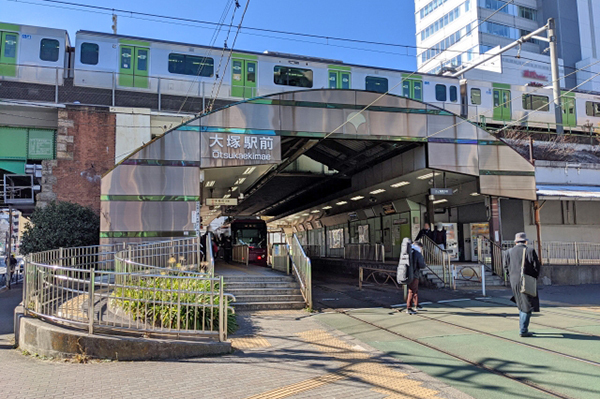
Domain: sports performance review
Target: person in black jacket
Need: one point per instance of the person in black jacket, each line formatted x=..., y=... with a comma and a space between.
x=425, y=231
x=513, y=260
x=417, y=263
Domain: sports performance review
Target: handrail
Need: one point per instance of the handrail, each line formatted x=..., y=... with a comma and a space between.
x=151, y=288
x=490, y=254
x=434, y=255
x=301, y=266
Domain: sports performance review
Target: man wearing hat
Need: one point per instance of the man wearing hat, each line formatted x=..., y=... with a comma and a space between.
x=514, y=264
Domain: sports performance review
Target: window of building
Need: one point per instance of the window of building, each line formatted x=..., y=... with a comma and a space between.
x=528, y=13
x=476, y=96
x=184, y=64
x=376, y=84
x=592, y=108
x=288, y=76
x=453, y=94
x=89, y=53
x=440, y=92
x=49, y=50
x=533, y=102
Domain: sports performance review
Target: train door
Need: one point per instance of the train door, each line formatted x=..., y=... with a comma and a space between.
x=243, y=77
x=133, y=66
x=339, y=78
x=8, y=54
x=413, y=88
x=568, y=109
x=502, y=103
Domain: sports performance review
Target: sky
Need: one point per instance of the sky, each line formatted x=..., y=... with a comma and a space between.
x=388, y=21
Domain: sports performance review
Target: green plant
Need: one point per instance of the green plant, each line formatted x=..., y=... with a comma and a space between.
x=169, y=302
x=60, y=224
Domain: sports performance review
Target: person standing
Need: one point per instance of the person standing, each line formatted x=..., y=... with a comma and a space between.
x=439, y=236
x=417, y=263
x=425, y=231
x=521, y=260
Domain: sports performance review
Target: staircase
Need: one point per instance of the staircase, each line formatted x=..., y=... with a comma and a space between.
x=264, y=292
x=490, y=278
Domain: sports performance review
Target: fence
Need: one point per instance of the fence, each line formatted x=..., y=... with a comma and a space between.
x=280, y=257
x=373, y=252
x=435, y=256
x=301, y=267
x=241, y=254
x=150, y=289
x=314, y=251
x=565, y=253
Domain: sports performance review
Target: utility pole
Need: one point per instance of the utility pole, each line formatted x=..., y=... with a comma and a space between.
x=114, y=25
x=551, y=34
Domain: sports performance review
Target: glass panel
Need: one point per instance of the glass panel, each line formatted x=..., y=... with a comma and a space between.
x=251, y=67
x=126, y=58
x=345, y=80
x=89, y=53
x=453, y=94
x=496, y=98
x=177, y=64
x=183, y=64
x=298, y=77
x=418, y=90
x=237, y=70
x=476, y=96
x=333, y=80
x=142, y=60
x=49, y=50
x=406, y=88
x=378, y=85
x=440, y=92
x=506, y=99
x=10, y=45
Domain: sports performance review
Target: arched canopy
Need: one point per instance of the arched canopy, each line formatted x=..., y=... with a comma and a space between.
x=153, y=192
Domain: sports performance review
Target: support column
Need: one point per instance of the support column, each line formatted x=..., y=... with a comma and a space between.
x=430, y=211
x=538, y=228
x=495, y=223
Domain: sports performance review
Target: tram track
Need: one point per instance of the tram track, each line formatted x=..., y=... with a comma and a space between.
x=479, y=365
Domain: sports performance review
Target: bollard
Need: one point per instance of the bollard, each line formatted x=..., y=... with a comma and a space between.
x=483, y=279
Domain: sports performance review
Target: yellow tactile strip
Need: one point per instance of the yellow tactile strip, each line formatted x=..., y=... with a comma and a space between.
x=251, y=342
x=358, y=365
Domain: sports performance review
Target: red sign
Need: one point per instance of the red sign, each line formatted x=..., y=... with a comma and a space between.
x=534, y=75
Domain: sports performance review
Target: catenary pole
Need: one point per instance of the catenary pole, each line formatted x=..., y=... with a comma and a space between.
x=555, y=77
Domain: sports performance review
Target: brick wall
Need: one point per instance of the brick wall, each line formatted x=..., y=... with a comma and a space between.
x=85, y=149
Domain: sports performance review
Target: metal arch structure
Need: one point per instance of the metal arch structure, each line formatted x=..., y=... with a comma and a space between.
x=153, y=192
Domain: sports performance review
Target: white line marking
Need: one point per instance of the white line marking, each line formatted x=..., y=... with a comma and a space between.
x=454, y=300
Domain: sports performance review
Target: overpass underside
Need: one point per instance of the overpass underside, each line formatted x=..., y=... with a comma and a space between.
x=306, y=156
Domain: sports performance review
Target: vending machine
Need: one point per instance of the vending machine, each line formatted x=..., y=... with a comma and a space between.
x=452, y=240
x=471, y=232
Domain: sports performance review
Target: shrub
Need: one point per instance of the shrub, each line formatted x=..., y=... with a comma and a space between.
x=60, y=224
x=165, y=302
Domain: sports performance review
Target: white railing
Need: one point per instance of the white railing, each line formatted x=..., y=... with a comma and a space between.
x=301, y=267
x=565, y=253
x=436, y=256
x=150, y=289
x=372, y=252
x=241, y=254
x=280, y=257
x=490, y=255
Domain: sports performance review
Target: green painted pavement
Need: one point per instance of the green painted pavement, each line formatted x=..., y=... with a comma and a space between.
x=460, y=375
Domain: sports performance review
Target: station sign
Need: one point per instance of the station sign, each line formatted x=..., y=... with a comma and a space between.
x=441, y=191
x=226, y=149
x=221, y=201
x=388, y=209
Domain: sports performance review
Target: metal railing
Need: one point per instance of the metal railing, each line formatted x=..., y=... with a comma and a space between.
x=241, y=254
x=301, y=267
x=565, y=253
x=314, y=251
x=280, y=257
x=149, y=289
x=436, y=256
x=490, y=255
x=372, y=252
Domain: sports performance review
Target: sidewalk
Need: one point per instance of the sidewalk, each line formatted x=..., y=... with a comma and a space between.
x=279, y=354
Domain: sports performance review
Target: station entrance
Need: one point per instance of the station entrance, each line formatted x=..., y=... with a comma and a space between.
x=343, y=173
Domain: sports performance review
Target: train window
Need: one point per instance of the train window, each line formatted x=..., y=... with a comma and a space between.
x=536, y=102
x=10, y=45
x=142, y=59
x=440, y=92
x=476, y=96
x=288, y=76
x=183, y=64
x=89, y=53
x=49, y=50
x=378, y=85
x=592, y=108
x=453, y=94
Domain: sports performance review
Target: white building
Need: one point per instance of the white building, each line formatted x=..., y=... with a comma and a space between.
x=453, y=33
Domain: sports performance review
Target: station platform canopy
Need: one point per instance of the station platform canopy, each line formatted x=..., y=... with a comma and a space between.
x=319, y=152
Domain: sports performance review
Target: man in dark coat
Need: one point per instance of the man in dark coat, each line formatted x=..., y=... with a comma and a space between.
x=425, y=231
x=513, y=259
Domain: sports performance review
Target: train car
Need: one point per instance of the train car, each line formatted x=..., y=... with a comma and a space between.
x=33, y=54
x=253, y=233
x=148, y=65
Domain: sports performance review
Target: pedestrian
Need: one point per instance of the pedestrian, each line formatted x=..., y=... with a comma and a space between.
x=425, y=231
x=417, y=263
x=11, y=265
x=439, y=236
x=522, y=261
